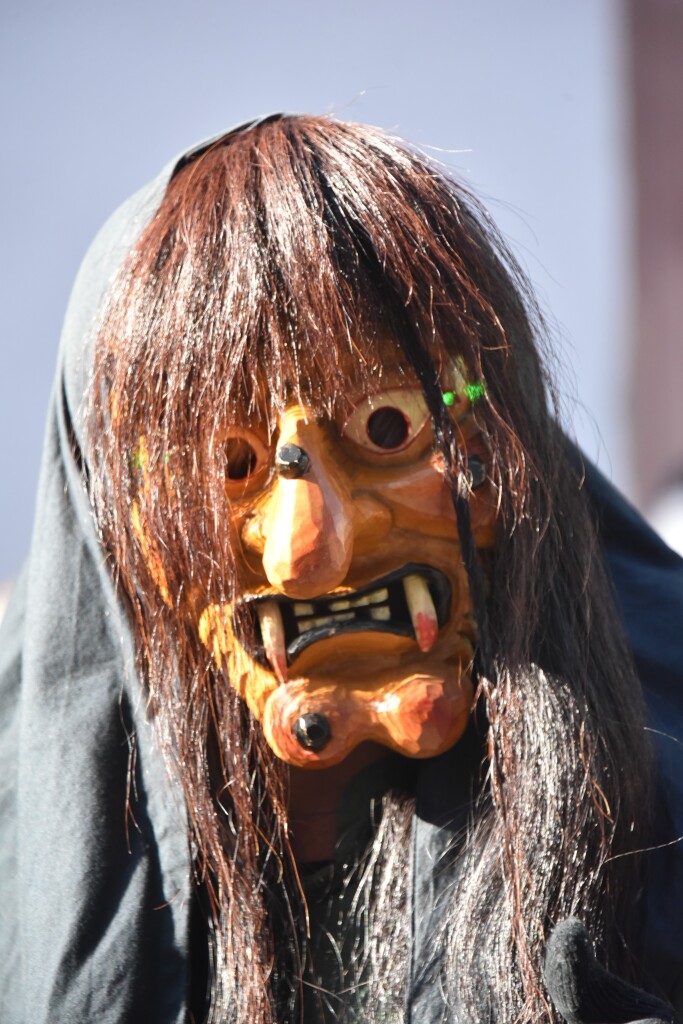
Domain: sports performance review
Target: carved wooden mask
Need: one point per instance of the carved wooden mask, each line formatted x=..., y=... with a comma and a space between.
x=354, y=584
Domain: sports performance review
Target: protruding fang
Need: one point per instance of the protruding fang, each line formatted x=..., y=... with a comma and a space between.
x=422, y=611
x=273, y=635
x=382, y=614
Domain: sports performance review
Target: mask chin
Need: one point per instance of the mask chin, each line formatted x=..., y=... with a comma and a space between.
x=382, y=688
x=420, y=715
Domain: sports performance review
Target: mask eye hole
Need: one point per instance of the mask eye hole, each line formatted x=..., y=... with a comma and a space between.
x=388, y=428
x=240, y=459
x=387, y=422
x=244, y=458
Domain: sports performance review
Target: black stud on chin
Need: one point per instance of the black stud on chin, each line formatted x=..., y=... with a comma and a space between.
x=291, y=461
x=312, y=731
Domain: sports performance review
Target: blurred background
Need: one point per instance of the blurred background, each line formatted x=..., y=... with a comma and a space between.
x=566, y=117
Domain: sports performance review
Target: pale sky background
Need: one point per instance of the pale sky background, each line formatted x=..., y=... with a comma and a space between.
x=525, y=99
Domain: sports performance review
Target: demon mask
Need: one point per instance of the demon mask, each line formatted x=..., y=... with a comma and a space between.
x=356, y=601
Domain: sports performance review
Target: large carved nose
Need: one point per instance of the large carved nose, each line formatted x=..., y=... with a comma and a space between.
x=308, y=523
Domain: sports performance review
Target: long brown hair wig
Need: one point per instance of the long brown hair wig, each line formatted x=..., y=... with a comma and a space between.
x=293, y=242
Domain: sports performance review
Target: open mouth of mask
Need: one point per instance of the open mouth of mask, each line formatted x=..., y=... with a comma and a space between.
x=412, y=601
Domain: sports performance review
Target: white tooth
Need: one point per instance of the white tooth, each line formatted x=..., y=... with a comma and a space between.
x=422, y=611
x=303, y=608
x=338, y=606
x=328, y=620
x=380, y=614
x=376, y=597
x=324, y=620
x=273, y=633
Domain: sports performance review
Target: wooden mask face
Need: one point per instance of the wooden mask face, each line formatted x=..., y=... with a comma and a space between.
x=357, y=599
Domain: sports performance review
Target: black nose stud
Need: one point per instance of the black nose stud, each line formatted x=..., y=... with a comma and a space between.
x=312, y=731
x=291, y=461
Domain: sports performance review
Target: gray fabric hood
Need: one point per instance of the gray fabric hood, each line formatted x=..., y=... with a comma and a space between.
x=94, y=898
